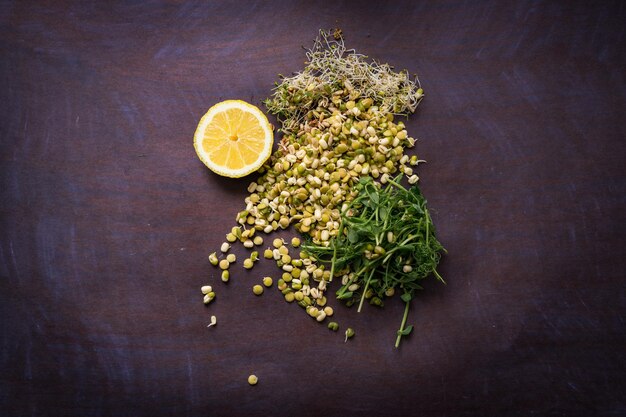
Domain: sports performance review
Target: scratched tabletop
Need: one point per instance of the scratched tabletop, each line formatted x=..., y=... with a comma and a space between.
x=107, y=216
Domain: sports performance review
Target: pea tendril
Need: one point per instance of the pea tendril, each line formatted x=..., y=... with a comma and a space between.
x=386, y=243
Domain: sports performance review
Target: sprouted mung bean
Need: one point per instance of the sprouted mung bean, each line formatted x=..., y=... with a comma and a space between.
x=253, y=379
x=349, y=333
x=210, y=296
x=257, y=290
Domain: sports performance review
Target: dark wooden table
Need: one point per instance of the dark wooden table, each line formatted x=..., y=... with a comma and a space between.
x=107, y=215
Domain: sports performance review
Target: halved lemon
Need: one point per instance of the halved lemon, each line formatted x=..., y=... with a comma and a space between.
x=233, y=138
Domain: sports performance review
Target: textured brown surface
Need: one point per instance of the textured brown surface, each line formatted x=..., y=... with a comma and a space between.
x=107, y=215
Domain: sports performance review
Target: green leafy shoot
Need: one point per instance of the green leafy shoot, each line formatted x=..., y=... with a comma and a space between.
x=386, y=244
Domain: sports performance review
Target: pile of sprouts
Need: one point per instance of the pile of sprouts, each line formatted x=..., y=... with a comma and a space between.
x=339, y=131
x=331, y=67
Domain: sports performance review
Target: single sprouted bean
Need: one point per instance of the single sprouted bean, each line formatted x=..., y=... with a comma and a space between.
x=349, y=334
x=320, y=316
x=213, y=321
x=257, y=290
x=209, y=297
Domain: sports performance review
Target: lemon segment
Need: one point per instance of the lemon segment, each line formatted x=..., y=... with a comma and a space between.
x=233, y=138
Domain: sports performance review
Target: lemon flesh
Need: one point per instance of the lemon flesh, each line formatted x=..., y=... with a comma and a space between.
x=233, y=138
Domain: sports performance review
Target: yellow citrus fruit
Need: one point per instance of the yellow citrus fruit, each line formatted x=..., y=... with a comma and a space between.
x=233, y=138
